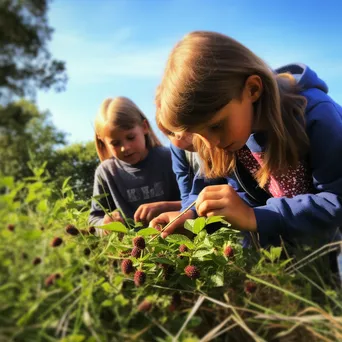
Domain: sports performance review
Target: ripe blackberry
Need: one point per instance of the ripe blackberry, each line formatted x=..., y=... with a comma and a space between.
x=139, y=242
x=11, y=227
x=71, y=229
x=127, y=266
x=139, y=278
x=57, y=241
x=87, y=251
x=92, y=230
x=136, y=252
x=36, y=261
x=192, y=271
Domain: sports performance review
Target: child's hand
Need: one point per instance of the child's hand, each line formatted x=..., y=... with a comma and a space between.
x=146, y=212
x=222, y=200
x=175, y=227
x=113, y=217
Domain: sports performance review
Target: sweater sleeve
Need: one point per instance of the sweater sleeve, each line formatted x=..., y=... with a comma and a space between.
x=105, y=201
x=316, y=213
x=181, y=169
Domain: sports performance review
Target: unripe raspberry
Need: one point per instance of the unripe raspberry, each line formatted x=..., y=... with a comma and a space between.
x=228, y=252
x=192, y=271
x=183, y=248
x=139, y=242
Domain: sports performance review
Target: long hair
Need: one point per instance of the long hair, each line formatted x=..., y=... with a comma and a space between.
x=122, y=113
x=205, y=71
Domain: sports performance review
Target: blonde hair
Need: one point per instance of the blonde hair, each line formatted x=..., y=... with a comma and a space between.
x=124, y=114
x=205, y=71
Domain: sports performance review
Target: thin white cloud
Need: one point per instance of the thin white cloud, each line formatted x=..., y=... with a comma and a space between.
x=90, y=61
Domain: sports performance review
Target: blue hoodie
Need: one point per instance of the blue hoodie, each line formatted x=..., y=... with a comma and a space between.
x=312, y=218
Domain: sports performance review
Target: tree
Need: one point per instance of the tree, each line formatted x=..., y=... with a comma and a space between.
x=25, y=62
x=79, y=162
x=26, y=134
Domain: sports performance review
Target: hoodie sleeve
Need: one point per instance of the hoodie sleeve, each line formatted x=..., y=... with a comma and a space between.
x=312, y=213
x=181, y=169
x=100, y=189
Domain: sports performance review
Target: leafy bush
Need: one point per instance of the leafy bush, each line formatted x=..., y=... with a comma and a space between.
x=60, y=281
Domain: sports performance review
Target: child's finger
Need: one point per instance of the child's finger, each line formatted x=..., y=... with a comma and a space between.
x=212, y=205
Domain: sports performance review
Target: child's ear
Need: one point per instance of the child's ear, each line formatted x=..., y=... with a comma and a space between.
x=254, y=87
x=146, y=127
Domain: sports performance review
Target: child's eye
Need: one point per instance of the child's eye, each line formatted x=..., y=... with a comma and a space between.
x=131, y=137
x=115, y=143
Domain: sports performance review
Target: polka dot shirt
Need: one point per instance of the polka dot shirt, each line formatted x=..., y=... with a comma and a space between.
x=295, y=182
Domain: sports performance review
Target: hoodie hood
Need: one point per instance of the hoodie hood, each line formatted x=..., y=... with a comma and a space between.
x=306, y=78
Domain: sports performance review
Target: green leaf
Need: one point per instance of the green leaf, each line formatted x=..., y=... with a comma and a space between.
x=199, y=224
x=121, y=300
x=163, y=261
x=214, y=219
x=73, y=338
x=115, y=227
x=217, y=279
x=180, y=240
x=148, y=231
x=219, y=260
x=201, y=253
x=189, y=225
x=107, y=303
x=275, y=253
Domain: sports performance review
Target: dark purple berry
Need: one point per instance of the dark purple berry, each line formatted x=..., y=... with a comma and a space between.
x=72, y=230
x=127, y=266
x=57, y=241
x=136, y=252
x=139, y=242
x=139, y=278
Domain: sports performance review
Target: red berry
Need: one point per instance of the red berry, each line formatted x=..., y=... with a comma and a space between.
x=127, y=266
x=250, y=287
x=139, y=242
x=11, y=227
x=51, y=279
x=136, y=252
x=183, y=248
x=145, y=306
x=139, y=278
x=36, y=261
x=192, y=271
x=92, y=230
x=57, y=241
x=86, y=251
x=228, y=252
x=71, y=229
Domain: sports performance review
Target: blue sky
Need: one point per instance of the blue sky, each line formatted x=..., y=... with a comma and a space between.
x=119, y=48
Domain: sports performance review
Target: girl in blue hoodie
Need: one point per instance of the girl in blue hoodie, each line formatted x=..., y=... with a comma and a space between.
x=277, y=134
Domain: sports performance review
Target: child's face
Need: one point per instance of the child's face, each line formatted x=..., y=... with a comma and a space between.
x=184, y=142
x=127, y=145
x=230, y=127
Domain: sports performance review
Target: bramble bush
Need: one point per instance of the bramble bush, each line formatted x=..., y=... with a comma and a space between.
x=61, y=281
